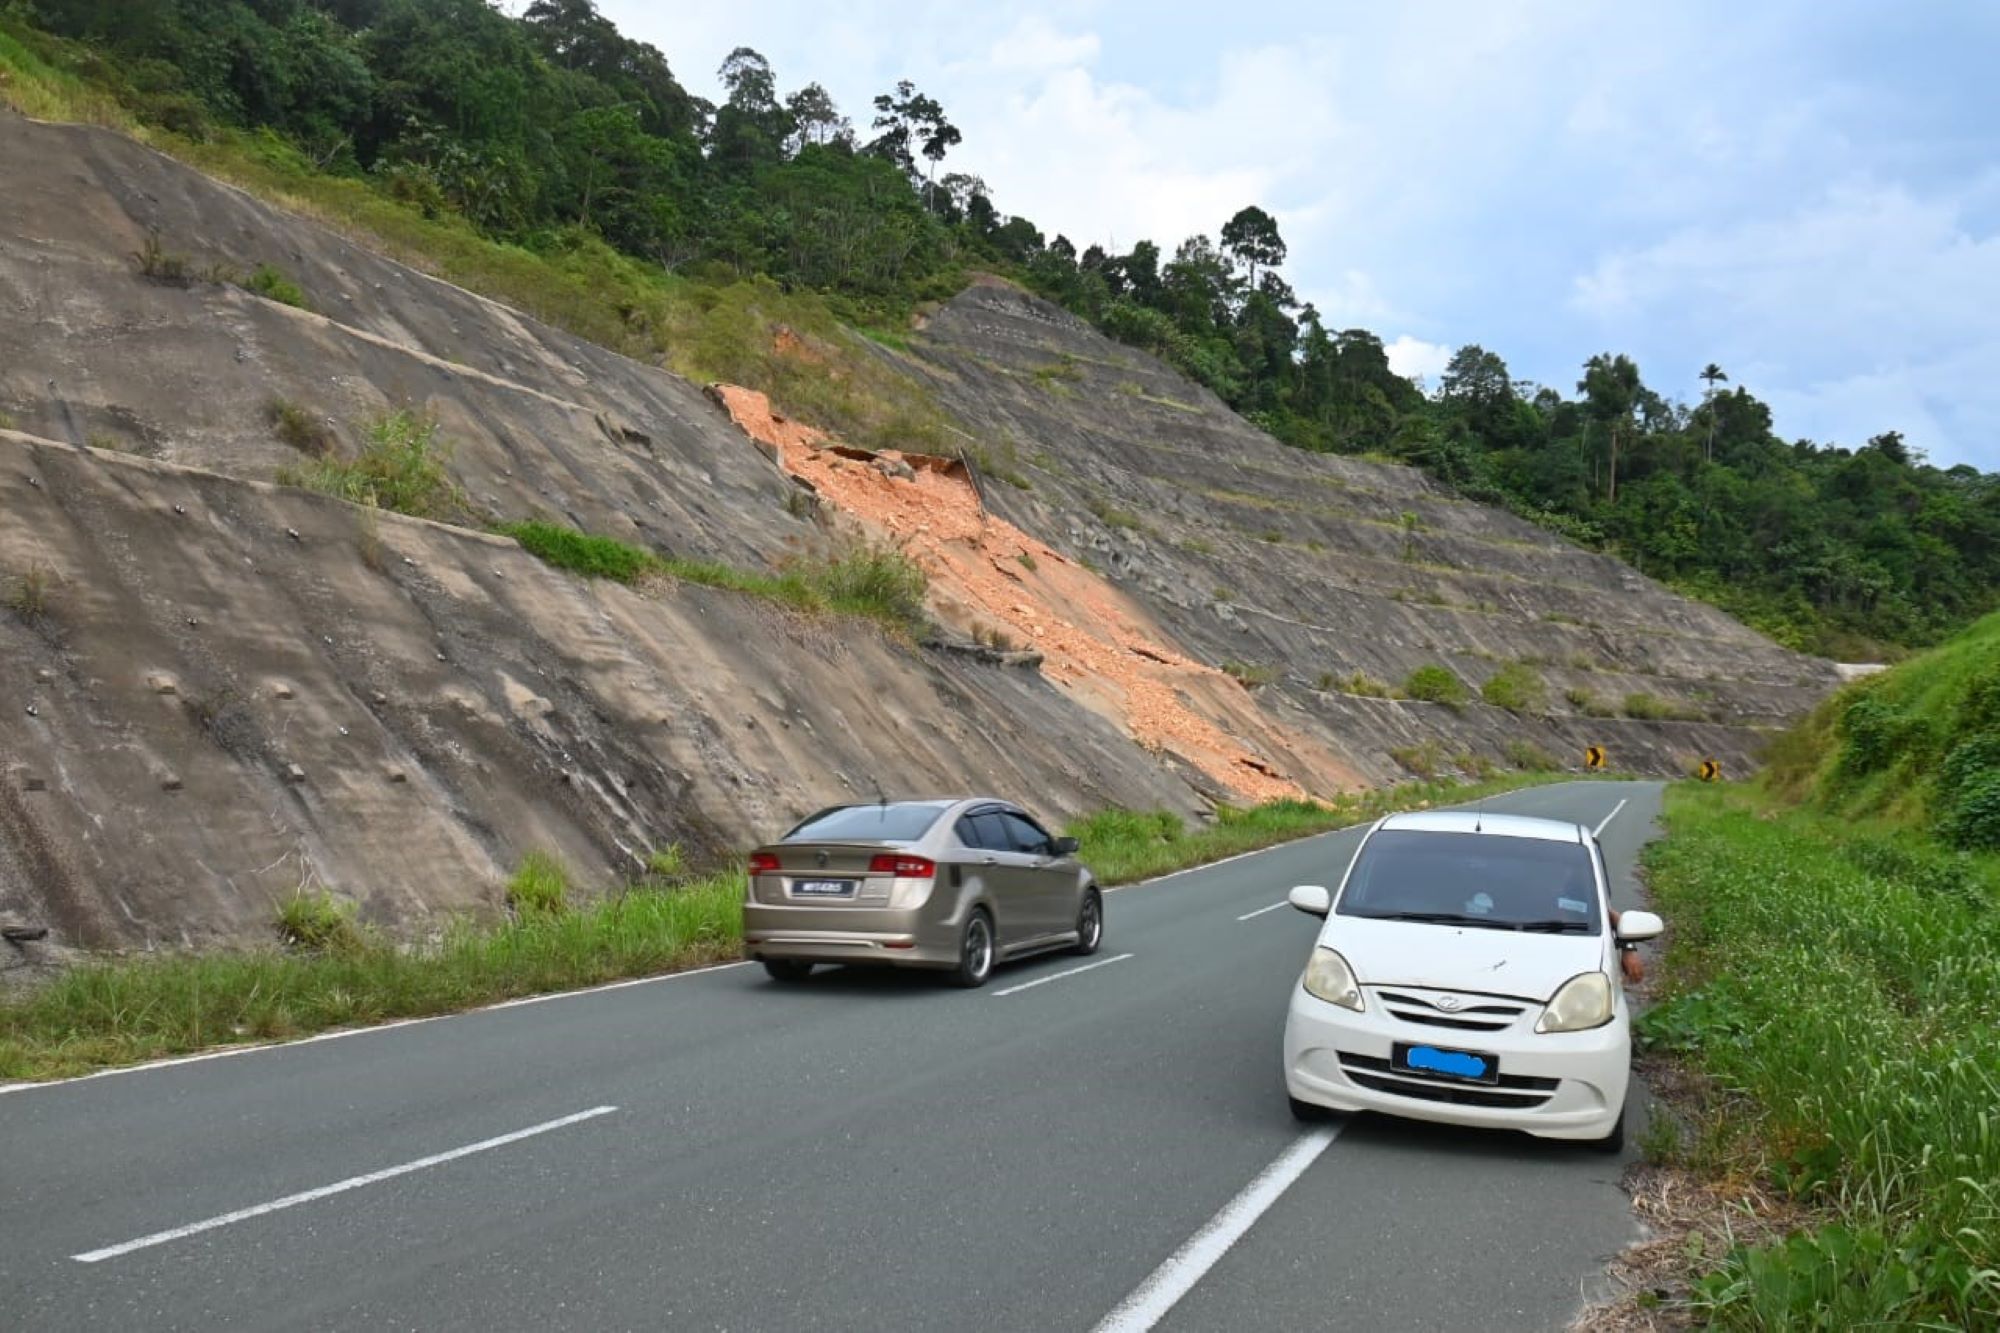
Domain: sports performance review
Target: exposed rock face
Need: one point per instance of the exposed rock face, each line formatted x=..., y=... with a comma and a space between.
x=224, y=689
x=1315, y=567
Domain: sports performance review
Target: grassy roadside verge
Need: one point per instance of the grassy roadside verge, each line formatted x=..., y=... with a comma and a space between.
x=124, y=1011
x=1829, y=1006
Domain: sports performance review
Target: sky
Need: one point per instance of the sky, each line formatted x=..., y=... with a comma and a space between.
x=1805, y=192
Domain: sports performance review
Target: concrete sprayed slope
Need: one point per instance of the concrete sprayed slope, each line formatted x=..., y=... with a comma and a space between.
x=236, y=688
x=1249, y=551
x=537, y=420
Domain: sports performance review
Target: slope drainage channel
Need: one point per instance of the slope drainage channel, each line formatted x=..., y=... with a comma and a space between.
x=338, y=1187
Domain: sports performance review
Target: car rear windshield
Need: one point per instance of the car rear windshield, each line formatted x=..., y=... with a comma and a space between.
x=1474, y=879
x=903, y=821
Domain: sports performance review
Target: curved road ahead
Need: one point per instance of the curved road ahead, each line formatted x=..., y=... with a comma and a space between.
x=1065, y=1149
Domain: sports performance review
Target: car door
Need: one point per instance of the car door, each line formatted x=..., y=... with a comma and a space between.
x=1006, y=872
x=1052, y=904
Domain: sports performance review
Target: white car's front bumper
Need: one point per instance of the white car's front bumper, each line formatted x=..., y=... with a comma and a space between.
x=1567, y=1085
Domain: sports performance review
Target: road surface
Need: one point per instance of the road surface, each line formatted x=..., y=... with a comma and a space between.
x=1072, y=1147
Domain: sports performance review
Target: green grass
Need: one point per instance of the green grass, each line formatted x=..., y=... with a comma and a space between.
x=1837, y=983
x=273, y=285
x=874, y=582
x=1250, y=675
x=1435, y=684
x=1918, y=745
x=319, y=921
x=539, y=886
x=117, y=1012
x=402, y=468
x=1516, y=687
x=582, y=552
x=1652, y=708
x=1355, y=682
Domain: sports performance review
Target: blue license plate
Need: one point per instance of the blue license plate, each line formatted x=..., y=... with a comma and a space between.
x=1438, y=1062
x=823, y=888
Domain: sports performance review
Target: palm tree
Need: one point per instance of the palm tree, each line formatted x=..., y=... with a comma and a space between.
x=1711, y=375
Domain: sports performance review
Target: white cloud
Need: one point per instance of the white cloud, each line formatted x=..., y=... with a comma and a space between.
x=1865, y=309
x=1413, y=358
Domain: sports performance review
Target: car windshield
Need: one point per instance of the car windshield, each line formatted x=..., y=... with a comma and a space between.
x=1473, y=879
x=901, y=821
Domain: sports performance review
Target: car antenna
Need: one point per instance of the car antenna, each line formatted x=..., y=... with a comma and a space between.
x=1479, y=814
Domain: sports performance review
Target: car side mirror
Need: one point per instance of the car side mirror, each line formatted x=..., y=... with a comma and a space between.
x=1312, y=899
x=1639, y=926
x=1064, y=847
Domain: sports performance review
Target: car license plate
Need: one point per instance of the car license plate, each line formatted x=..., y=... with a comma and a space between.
x=823, y=888
x=1437, y=1062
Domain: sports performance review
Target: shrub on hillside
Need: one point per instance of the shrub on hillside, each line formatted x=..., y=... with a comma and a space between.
x=1517, y=688
x=402, y=468
x=1435, y=684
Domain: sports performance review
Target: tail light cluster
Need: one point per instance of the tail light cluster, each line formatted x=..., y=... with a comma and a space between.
x=903, y=867
x=888, y=863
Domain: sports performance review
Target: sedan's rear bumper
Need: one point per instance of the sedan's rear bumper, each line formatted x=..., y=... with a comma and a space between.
x=892, y=937
x=1560, y=1086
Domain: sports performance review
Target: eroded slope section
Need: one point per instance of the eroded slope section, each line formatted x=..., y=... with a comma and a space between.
x=993, y=581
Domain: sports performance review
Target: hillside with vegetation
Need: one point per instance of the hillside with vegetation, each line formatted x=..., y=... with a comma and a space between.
x=553, y=162
x=1830, y=988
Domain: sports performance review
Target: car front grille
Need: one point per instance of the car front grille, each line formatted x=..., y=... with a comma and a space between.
x=1515, y=1092
x=1487, y=1014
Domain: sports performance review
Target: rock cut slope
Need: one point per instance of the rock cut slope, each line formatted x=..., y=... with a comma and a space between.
x=221, y=689
x=1312, y=569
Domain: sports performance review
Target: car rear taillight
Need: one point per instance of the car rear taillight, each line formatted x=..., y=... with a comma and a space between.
x=764, y=863
x=903, y=867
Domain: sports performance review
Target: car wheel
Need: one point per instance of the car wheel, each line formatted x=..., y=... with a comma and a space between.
x=788, y=969
x=1307, y=1112
x=975, y=951
x=1089, y=923
x=1614, y=1141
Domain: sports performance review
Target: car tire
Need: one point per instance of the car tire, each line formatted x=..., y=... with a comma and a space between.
x=1307, y=1113
x=789, y=970
x=975, y=951
x=1614, y=1142
x=1089, y=924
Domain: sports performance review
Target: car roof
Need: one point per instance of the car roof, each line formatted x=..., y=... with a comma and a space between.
x=1486, y=823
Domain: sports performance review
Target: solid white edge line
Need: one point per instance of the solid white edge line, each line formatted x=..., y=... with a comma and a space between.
x=339, y=1187
x=1163, y=1288
x=335, y=1035
x=1260, y=911
x=1058, y=976
x=1599, y=830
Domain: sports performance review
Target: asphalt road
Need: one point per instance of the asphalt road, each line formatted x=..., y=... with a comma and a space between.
x=714, y=1151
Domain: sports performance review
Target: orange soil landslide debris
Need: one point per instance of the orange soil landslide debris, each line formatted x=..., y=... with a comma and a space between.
x=985, y=573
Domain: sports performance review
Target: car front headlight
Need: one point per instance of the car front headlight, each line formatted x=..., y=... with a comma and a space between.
x=1582, y=1003
x=1330, y=978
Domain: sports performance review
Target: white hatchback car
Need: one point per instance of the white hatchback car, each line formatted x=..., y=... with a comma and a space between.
x=1467, y=973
